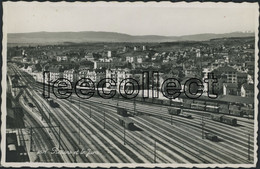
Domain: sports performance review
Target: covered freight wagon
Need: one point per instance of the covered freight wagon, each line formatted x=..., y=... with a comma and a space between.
x=174, y=111
x=122, y=112
x=224, y=119
x=211, y=137
x=126, y=122
x=216, y=117
x=229, y=120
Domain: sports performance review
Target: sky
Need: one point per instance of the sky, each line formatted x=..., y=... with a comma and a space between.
x=169, y=19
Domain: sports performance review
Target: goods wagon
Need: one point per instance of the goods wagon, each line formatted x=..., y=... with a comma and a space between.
x=229, y=120
x=216, y=117
x=211, y=108
x=166, y=102
x=188, y=116
x=211, y=137
x=176, y=103
x=122, y=112
x=157, y=101
x=198, y=106
x=187, y=105
x=52, y=103
x=236, y=112
x=126, y=122
x=174, y=111
x=247, y=111
x=224, y=119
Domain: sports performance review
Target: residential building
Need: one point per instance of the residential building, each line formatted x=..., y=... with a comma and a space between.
x=228, y=72
x=247, y=90
x=98, y=65
x=139, y=60
x=70, y=75
x=129, y=59
x=55, y=73
x=230, y=89
x=61, y=58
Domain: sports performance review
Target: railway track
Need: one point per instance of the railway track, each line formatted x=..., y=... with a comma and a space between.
x=156, y=128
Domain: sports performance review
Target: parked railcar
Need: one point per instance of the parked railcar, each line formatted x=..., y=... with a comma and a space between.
x=211, y=137
x=52, y=103
x=174, y=111
x=217, y=118
x=187, y=105
x=176, y=103
x=122, y=112
x=126, y=122
x=198, y=106
x=211, y=108
x=166, y=102
x=224, y=119
x=229, y=120
x=158, y=101
x=188, y=116
x=139, y=99
x=247, y=112
x=236, y=112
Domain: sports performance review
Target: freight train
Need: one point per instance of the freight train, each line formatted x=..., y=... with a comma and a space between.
x=224, y=119
x=178, y=112
x=215, y=106
x=218, y=107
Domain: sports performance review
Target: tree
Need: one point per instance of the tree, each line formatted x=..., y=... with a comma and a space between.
x=38, y=67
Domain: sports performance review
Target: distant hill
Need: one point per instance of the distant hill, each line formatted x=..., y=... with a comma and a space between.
x=91, y=36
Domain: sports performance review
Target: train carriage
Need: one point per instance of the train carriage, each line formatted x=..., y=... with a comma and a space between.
x=211, y=108
x=174, y=111
x=52, y=103
x=149, y=100
x=229, y=120
x=224, y=119
x=122, y=112
x=217, y=118
x=176, y=103
x=198, y=106
x=236, y=112
x=211, y=137
x=157, y=101
x=223, y=108
x=139, y=99
x=166, y=102
x=126, y=122
x=249, y=112
x=187, y=105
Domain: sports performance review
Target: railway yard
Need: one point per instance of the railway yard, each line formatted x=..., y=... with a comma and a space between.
x=100, y=130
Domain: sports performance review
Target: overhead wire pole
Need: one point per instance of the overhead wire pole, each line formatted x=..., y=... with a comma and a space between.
x=134, y=106
x=59, y=135
x=248, y=146
x=31, y=131
x=90, y=110
x=154, y=151
x=104, y=119
x=202, y=126
x=79, y=123
x=124, y=132
x=79, y=130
